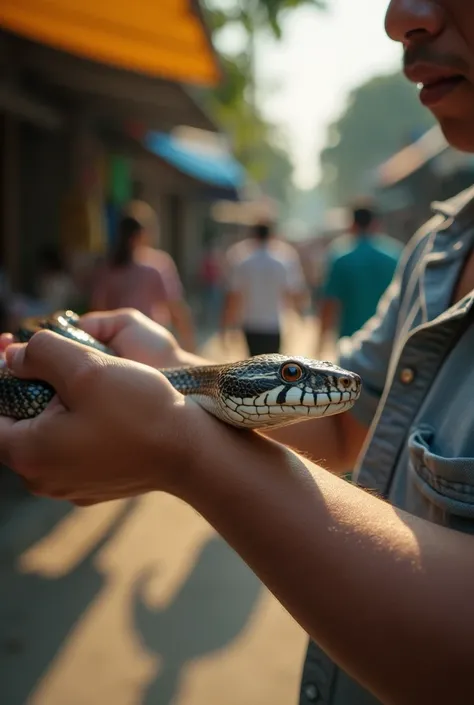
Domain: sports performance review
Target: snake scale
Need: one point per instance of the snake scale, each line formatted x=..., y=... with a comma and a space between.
x=263, y=391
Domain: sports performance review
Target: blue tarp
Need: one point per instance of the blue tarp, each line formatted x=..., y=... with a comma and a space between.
x=219, y=170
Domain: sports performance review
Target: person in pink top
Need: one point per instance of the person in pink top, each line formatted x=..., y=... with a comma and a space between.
x=177, y=314
x=136, y=276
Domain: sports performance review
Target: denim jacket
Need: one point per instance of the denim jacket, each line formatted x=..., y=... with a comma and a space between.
x=416, y=361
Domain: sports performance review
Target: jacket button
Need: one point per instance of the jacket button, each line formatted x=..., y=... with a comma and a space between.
x=407, y=375
x=311, y=692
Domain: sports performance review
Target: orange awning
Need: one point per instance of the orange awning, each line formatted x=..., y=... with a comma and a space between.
x=163, y=38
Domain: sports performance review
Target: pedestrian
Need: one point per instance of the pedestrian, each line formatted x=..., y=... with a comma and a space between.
x=381, y=579
x=131, y=279
x=177, y=313
x=123, y=282
x=359, y=268
x=262, y=283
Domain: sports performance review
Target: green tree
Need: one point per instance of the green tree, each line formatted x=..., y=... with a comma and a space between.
x=248, y=132
x=233, y=104
x=382, y=116
x=253, y=16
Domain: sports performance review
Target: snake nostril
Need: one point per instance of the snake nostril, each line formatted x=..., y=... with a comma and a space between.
x=345, y=382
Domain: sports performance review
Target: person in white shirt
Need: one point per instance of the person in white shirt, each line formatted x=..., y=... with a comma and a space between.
x=262, y=282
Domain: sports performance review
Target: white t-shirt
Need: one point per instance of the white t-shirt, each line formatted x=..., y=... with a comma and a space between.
x=263, y=278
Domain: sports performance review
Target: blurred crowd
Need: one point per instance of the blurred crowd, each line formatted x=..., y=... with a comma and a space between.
x=249, y=285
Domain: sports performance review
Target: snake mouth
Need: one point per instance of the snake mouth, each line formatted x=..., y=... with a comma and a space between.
x=264, y=411
x=309, y=398
x=315, y=404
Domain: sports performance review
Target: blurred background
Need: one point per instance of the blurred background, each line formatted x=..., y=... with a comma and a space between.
x=197, y=121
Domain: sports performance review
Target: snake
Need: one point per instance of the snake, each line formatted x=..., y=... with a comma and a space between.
x=255, y=393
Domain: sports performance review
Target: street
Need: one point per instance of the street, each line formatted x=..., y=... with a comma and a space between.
x=140, y=603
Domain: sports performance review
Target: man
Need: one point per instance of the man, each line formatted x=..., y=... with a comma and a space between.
x=360, y=267
x=263, y=281
x=385, y=590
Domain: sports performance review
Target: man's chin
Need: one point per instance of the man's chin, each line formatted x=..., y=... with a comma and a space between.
x=459, y=133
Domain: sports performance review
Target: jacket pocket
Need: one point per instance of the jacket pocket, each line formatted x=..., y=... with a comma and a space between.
x=445, y=484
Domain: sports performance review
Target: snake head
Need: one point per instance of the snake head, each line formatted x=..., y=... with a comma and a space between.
x=275, y=390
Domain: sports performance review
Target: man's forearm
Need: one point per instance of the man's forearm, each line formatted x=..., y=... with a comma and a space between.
x=334, y=442
x=362, y=579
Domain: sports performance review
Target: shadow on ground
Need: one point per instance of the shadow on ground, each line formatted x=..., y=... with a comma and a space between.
x=37, y=612
x=209, y=612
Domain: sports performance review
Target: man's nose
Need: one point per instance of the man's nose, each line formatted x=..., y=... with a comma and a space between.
x=413, y=20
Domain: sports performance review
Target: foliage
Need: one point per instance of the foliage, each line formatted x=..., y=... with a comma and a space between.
x=233, y=104
x=382, y=116
x=238, y=118
x=254, y=15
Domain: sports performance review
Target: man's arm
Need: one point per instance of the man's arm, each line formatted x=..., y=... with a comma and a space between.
x=335, y=441
x=373, y=586
x=387, y=595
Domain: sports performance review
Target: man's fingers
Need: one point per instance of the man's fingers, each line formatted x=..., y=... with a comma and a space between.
x=105, y=325
x=6, y=339
x=52, y=358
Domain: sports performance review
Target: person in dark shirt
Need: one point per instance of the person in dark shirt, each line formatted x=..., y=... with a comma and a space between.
x=360, y=267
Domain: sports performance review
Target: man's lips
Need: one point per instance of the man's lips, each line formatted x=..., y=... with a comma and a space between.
x=435, y=83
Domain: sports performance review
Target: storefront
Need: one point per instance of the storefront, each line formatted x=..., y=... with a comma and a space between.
x=69, y=73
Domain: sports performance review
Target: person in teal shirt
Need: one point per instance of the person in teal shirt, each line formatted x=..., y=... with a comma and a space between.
x=360, y=267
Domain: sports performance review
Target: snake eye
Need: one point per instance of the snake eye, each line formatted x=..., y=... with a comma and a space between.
x=345, y=382
x=291, y=372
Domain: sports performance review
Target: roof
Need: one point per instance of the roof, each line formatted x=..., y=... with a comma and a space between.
x=185, y=174
x=115, y=94
x=203, y=161
x=411, y=158
x=164, y=38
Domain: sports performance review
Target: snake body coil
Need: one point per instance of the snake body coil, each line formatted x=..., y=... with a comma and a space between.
x=263, y=391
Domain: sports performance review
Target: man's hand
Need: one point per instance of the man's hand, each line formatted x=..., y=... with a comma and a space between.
x=134, y=336
x=116, y=428
x=130, y=334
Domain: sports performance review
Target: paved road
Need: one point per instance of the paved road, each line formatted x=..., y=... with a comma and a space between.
x=139, y=603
